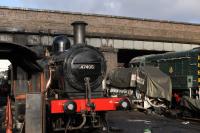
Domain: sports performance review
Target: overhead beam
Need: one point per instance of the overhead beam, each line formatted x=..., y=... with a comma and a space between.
x=31, y=21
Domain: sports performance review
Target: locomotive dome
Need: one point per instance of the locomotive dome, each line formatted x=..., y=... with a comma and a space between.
x=61, y=43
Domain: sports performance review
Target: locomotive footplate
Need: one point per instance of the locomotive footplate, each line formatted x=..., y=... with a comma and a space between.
x=101, y=104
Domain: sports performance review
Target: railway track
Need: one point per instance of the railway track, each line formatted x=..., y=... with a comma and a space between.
x=184, y=118
x=190, y=119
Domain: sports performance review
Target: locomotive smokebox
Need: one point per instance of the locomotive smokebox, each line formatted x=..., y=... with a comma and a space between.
x=79, y=32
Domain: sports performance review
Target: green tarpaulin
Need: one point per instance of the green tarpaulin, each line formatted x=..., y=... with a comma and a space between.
x=153, y=82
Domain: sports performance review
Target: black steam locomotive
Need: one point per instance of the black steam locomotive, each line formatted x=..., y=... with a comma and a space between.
x=76, y=75
x=62, y=91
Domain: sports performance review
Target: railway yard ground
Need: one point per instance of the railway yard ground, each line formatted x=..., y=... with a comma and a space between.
x=138, y=122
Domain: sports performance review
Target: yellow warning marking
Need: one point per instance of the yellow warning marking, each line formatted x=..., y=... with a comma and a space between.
x=198, y=64
x=171, y=70
x=198, y=79
x=198, y=72
x=198, y=57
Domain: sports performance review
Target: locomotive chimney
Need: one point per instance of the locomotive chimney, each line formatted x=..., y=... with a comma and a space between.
x=79, y=32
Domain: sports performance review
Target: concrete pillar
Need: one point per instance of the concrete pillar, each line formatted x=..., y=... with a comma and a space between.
x=110, y=55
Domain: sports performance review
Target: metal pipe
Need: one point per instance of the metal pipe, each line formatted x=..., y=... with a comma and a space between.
x=154, y=105
x=104, y=84
x=199, y=93
x=81, y=125
x=48, y=82
x=190, y=89
x=79, y=32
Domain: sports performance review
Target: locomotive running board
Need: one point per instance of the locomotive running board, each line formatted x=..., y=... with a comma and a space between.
x=101, y=104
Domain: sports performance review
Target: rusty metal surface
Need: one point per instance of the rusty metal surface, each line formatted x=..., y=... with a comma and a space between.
x=42, y=82
x=9, y=117
x=20, y=97
x=33, y=117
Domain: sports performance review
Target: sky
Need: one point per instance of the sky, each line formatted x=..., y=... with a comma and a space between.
x=172, y=10
x=4, y=65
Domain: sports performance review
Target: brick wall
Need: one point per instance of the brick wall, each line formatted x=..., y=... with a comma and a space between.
x=35, y=21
